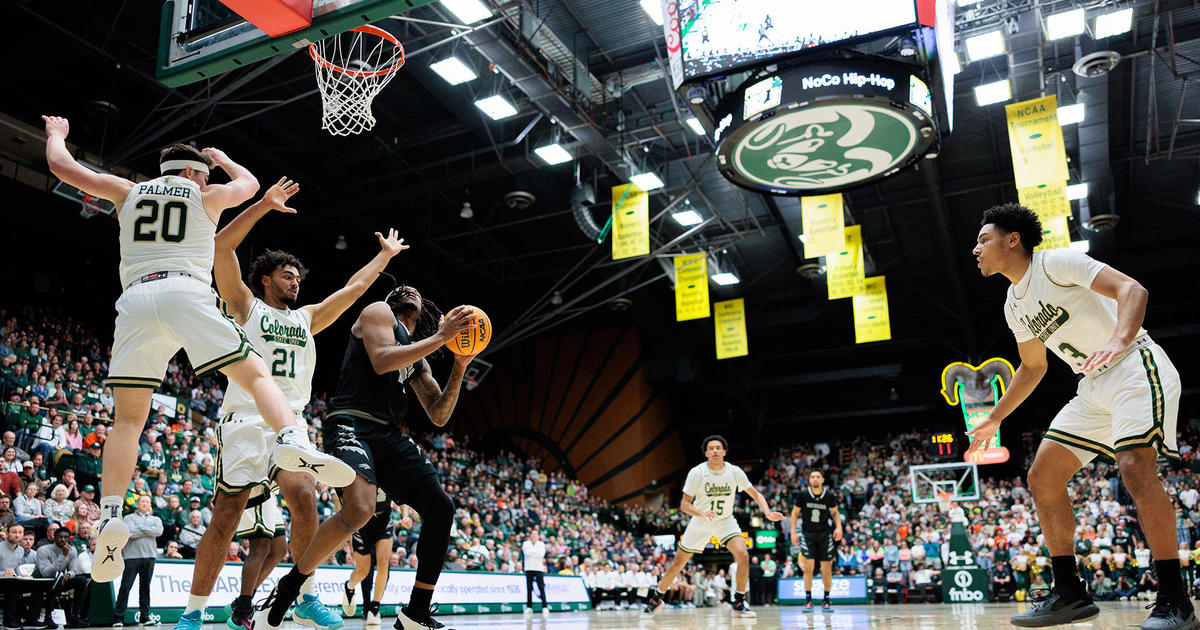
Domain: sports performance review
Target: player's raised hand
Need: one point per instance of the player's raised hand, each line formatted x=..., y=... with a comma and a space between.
x=218, y=156
x=465, y=359
x=982, y=435
x=277, y=195
x=458, y=319
x=57, y=126
x=392, y=244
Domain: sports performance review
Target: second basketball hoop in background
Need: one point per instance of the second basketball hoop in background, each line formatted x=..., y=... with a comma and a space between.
x=352, y=68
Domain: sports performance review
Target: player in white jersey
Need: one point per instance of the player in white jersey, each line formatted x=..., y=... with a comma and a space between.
x=166, y=241
x=283, y=334
x=1089, y=315
x=709, y=496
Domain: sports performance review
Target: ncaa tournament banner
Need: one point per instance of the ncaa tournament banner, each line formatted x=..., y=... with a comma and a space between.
x=458, y=592
x=630, y=221
x=1046, y=200
x=1036, y=142
x=1055, y=234
x=842, y=590
x=844, y=270
x=824, y=225
x=730, y=323
x=691, y=286
x=872, y=320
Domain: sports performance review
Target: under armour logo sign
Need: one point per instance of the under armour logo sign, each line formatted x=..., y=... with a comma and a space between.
x=111, y=551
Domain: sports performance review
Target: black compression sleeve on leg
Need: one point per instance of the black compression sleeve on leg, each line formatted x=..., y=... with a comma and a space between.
x=437, y=513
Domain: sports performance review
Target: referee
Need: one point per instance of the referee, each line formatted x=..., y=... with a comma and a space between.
x=816, y=505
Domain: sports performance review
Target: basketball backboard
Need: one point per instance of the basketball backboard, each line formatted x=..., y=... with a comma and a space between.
x=201, y=39
x=930, y=483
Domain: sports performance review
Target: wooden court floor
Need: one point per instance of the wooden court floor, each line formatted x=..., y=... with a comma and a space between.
x=1113, y=615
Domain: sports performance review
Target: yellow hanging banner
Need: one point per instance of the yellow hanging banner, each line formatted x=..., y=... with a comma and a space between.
x=691, y=286
x=844, y=270
x=630, y=222
x=1055, y=234
x=1036, y=141
x=872, y=321
x=730, y=322
x=824, y=223
x=1046, y=200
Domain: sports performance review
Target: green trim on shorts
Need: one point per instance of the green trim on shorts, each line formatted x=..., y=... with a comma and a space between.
x=1155, y=437
x=685, y=549
x=1103, y=452
x=731, y=537
x=229, y=489
x=133, y=381
x=243, y=350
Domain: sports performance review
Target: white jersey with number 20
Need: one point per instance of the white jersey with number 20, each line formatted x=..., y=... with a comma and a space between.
x=164, y=228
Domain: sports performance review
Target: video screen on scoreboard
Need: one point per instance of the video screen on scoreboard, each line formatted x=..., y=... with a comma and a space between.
x=719, y=35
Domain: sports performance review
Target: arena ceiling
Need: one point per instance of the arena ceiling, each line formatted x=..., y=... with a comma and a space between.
x=601, y=59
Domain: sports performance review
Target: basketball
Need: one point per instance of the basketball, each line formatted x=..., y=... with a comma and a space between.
x=472, y=340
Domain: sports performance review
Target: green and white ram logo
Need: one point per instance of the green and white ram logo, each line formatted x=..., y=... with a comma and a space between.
x=825, y=146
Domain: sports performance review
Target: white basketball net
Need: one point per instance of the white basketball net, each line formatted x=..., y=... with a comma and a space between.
x=351, y=70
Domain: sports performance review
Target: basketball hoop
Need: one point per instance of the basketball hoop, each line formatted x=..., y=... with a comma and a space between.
x=944, y=501
x=351, y=71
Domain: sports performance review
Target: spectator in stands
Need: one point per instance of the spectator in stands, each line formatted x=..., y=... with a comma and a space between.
x=1101, y=586
x=921, y=586
x=28, y=508
x=140, y=552
x=189, y=535
x=7, y=518
x=172, y=550
x=895, y=584
x=58, y=507
x=1124, y=589
x=54, y=561
x=1003, y=583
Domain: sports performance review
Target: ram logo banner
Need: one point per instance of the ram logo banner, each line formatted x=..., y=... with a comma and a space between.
x=826, y=146
x=976, y=390
x=1036, y=141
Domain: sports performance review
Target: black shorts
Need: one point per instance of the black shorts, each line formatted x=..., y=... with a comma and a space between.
x=378, y=528
x=361, y=443
x=817, y=546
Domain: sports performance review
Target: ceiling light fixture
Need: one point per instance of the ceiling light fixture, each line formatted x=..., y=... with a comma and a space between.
x=687, y=218
x=1070, y=115
x=468, y=11
x=653, y=9
x=725, y=278
x=497, y=107
x=553, y=153
x=647, y=181
x=995, y=92
x=1077, y=191
x=1114, y=23
x=694, y=124
x=1081, y=246
x=453, y=70
x=986, y=45
x=1065, y=24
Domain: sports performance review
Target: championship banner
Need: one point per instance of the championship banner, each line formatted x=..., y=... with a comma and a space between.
x=1055, y=234
x=871, y=316
x=458, y=592
x=730, y=324
x=1036, y=142
x=691, y=286
x=976, y=390
x=630, y=222
x=1046, y=200
x=824, y=224
x=844, y=270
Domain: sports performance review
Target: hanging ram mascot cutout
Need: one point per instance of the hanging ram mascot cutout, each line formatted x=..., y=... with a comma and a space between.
x=976, y=390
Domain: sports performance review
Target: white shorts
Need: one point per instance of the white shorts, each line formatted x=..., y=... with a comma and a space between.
x=1132, y=404
x=155, y=319
x=701, y=530
x=264, y=520
x=244, y=445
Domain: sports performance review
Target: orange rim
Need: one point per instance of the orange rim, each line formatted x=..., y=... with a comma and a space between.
x=370, y=30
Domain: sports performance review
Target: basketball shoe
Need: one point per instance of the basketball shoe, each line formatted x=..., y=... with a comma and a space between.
x=109, y=565
x=654, y=603
x=347, y=599
x=1060, y=608
x=295, y=453
x=1167, y=615
x=741, y=609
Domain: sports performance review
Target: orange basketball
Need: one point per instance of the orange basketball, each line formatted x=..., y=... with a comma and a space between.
x=472, y=340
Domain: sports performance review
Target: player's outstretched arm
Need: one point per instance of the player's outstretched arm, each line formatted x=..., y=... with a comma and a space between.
x=226, y=269
x=332, y=307
x=379, y=339
x=241, y=187
x=761, y=500
x=439, y=402
x=64, y=166
x=1025, y=379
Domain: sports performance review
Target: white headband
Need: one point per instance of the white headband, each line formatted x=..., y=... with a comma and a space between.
x=179, y=165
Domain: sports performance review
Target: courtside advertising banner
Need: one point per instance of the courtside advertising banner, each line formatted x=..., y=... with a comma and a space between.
x=872, y=320
x=730, y=322
x=844, y=590
x=691, y=286
x=457, y=592
x=630, y=222
x=844, y=270
x=1055, y=234
x=1036, y=142
x=824, y=225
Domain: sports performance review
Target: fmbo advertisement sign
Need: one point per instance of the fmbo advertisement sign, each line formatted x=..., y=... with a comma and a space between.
x=847, y=590
x=457, y=592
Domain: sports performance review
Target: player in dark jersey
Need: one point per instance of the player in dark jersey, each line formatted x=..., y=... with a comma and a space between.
x=386, y=355
x=815, y=506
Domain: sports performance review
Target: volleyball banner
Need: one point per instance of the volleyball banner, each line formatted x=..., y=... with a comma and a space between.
x=1046, y=200
x=730, y=324
x=871, y=317
x=1055, y=234
x=1036, y=142
x=844, y=270
x=630, y=222
x=691, y=286
x=824, y=224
